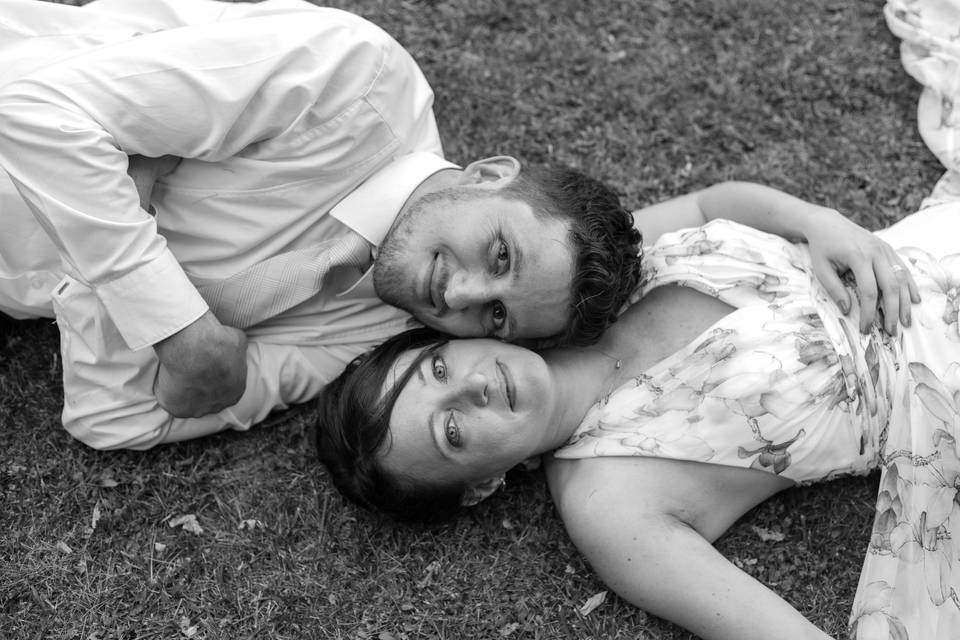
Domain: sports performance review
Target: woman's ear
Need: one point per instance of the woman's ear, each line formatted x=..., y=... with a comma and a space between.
x=491, y=170
x=481, y=491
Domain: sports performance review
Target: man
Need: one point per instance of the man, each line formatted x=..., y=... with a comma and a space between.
x=298, y=127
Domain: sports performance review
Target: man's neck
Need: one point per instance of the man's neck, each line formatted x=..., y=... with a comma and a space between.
x=434, y=182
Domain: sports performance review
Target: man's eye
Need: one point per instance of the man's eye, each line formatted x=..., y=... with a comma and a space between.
x=503, y=257
x=499, y=314
x=439, y=368
x=452, y=432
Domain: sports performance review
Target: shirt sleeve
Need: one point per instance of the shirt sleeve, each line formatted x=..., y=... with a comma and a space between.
x=109, y=401
x=270, y=85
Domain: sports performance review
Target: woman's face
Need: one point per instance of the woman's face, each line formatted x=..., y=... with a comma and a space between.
x=471, y=410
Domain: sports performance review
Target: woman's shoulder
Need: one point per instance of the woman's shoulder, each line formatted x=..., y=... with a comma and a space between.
x=665, y=321
x=701, y=495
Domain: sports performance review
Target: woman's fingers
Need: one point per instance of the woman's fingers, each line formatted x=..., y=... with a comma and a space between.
x=867, y=283
x=898, y=291
x=892, y=294
x=830, y=279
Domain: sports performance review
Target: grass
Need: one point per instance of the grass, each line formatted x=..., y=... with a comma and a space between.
x=658, y=98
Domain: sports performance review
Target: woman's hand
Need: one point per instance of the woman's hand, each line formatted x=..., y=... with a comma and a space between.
x=837, y=246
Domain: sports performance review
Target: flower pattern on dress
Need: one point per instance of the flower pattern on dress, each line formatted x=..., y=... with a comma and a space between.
x=787, y=384
x=871, y=617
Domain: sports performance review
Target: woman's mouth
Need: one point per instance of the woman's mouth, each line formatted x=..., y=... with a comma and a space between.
x=509, y=390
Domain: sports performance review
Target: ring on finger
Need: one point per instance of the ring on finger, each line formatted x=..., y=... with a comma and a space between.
x=897, y=268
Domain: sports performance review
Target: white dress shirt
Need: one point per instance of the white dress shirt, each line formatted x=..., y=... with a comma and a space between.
x=295, y=123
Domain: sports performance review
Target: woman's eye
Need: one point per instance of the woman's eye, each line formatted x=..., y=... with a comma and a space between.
x=452, y=432
x=499, y=314
x=439, y=368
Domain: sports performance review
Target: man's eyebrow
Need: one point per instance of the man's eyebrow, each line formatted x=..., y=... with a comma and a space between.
x=516, y=270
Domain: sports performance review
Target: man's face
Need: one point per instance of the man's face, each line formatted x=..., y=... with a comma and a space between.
x=478, y=267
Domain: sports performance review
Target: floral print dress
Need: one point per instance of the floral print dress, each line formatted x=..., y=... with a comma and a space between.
x=787, y=384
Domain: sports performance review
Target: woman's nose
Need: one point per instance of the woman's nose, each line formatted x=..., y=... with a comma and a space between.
x=475, y=389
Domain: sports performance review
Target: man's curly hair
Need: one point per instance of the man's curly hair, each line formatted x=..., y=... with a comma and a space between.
x=606, y=245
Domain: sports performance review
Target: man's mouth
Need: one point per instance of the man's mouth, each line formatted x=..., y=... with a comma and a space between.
x=436, y=285
x=509, y=391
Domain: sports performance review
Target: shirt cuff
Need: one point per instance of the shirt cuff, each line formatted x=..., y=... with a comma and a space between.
x=152, y=302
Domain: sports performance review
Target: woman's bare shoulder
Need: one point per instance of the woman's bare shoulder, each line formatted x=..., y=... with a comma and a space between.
x=664, y=321
x=706, y=497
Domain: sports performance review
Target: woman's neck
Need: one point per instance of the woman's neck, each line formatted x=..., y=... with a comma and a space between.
x=661, y=323
x=583, y=375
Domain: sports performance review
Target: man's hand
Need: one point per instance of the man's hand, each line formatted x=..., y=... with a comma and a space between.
x=203, y=368
x=838, y=245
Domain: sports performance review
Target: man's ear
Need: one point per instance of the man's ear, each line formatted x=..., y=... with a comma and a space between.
x=497, y=169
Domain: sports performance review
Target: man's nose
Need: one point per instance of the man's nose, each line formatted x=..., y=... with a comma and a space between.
x=465, y=289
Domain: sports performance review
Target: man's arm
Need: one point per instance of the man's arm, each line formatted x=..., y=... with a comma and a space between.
x=202, y=368
x=211, y=92
x=109, y=398
x=836, y=243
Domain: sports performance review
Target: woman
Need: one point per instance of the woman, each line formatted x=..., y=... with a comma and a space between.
x=733, y=377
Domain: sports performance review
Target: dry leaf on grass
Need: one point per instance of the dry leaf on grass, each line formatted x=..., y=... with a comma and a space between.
x=106, y=479
x=94, y=519
x=187, y=630
x=767, y=535
x=592, y=603
x=188, y=522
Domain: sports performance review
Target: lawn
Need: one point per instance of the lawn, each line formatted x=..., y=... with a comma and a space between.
x=658, y=98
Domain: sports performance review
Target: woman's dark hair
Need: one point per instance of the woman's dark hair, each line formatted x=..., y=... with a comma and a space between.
x=352, y=429
x=606, y=245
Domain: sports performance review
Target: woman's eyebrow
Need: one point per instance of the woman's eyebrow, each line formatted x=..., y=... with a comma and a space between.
x=421, y=357
x=431, y=418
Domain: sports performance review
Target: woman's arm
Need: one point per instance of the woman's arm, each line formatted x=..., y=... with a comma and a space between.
x=653, y=546
x=836, y=243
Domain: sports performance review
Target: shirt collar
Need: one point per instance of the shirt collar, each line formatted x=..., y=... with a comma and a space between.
x=372, y=207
